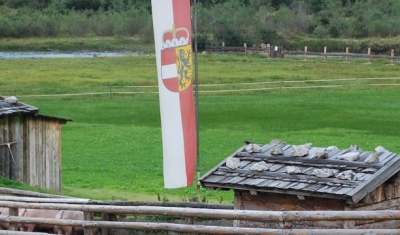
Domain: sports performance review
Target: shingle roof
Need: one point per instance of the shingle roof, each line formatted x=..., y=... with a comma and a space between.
x=7, y=109
x=18, y=108
x=364, y=177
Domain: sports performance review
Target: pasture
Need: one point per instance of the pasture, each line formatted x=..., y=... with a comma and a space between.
x=112, y=148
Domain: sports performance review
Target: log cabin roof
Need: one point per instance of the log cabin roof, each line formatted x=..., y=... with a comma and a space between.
x=18, y=108
x=303, y=182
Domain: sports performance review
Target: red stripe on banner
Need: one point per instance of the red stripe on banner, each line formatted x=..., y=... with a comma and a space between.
x=181, y=10
x=189, y=131
x=168, y=56
x=172, y=84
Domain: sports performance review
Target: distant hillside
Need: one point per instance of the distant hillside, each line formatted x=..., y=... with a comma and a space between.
x=231, y=21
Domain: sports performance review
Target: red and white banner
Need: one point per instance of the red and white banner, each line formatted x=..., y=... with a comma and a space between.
x=172, y=37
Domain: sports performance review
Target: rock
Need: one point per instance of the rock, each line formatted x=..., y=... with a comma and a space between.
x=346, y=175
x=232, y=162
x=11, y=100
x=331, y=148
x=351, y=156
x=381, y=149
x=277, y=151
x=260, y=166
x=355, y=147
x=323, y=173
x=253, y=148
x=321, y=155
x=293, y=170
x=299, y=151
x=372, y=158
x=306, y=145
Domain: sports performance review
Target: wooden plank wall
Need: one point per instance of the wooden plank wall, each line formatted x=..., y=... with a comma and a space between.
x=44, y=151
x=37, y=152
x=11, y=131
x=244, y=200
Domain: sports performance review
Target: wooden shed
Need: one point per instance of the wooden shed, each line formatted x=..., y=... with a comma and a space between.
x=276, y=177
x=30, y=144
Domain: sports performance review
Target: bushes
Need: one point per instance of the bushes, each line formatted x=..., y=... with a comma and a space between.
x=27, y=22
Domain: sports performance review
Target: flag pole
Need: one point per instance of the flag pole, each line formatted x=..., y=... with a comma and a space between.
x=196, y=93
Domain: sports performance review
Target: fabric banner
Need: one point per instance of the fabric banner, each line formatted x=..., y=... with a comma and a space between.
x=172, y=37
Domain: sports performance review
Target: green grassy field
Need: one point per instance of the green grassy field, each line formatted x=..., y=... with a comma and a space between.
x=112, y=148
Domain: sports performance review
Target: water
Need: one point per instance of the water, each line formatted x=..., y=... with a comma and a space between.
x=38, y=55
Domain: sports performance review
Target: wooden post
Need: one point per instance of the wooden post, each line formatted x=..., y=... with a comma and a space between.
x=369, y=55
x=110, y=92
x=268, y=50
x=392, y=55
x=245, y=48
x=325, y=56
x=88, y=216
x=305, y=53
x=347, y=55
x=105, y=217
x=13, y=212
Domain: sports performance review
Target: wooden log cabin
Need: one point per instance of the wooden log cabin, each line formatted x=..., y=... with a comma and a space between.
x=30, y=144
x=277, y=178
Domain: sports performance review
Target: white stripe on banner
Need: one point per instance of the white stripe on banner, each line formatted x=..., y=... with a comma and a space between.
x=169, y=71
x=172, y=132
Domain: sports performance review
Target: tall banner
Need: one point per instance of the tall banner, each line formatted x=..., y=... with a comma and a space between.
x=172, y=37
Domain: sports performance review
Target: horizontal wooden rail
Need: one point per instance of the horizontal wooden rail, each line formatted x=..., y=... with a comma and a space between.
x=189, y=228
x=121, y=203
x=252, y=215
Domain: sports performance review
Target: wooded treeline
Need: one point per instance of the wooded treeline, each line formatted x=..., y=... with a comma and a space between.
x=231, y=21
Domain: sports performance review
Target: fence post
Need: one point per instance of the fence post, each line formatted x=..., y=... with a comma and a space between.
x=305, y=53
x=105, y=217
x=268, y=50
x=88, y=216
x=369, y=55
x=13, y=212
x=392, y=55
x=223, y=44
x=245, y=48
x=110, y=92
x=347, y=55
x=325, y=56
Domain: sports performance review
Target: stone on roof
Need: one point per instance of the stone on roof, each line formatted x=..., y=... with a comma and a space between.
x=347, y=174
x=11, y=106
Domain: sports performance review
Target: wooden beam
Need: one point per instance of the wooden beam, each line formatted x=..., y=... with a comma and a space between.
x=368, y=186
x=117, y=203
x=182, y=228
x=276, y=216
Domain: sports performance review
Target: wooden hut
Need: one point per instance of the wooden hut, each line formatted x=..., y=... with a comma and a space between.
x=279, y=176
x=30, y=145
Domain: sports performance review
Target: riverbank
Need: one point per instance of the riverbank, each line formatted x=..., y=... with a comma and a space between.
x=95, y=44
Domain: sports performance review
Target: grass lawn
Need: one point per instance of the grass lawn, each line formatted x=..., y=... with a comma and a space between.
x=112, y=148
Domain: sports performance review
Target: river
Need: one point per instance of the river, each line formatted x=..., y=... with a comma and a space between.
x=55, y=54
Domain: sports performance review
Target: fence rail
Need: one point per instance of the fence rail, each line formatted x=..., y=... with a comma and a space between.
x=278, y=51
x=272, y=86
x=249, y=215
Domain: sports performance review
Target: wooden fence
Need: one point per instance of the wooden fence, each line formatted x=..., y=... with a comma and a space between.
x=278, y=85
x=105, y=210
x=278, y=51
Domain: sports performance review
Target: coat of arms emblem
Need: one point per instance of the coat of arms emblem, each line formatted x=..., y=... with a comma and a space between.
x=176, y=59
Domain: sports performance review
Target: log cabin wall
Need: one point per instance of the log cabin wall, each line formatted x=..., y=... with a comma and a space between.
x=35, y=156
x=385, y=197
x=285, y=202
